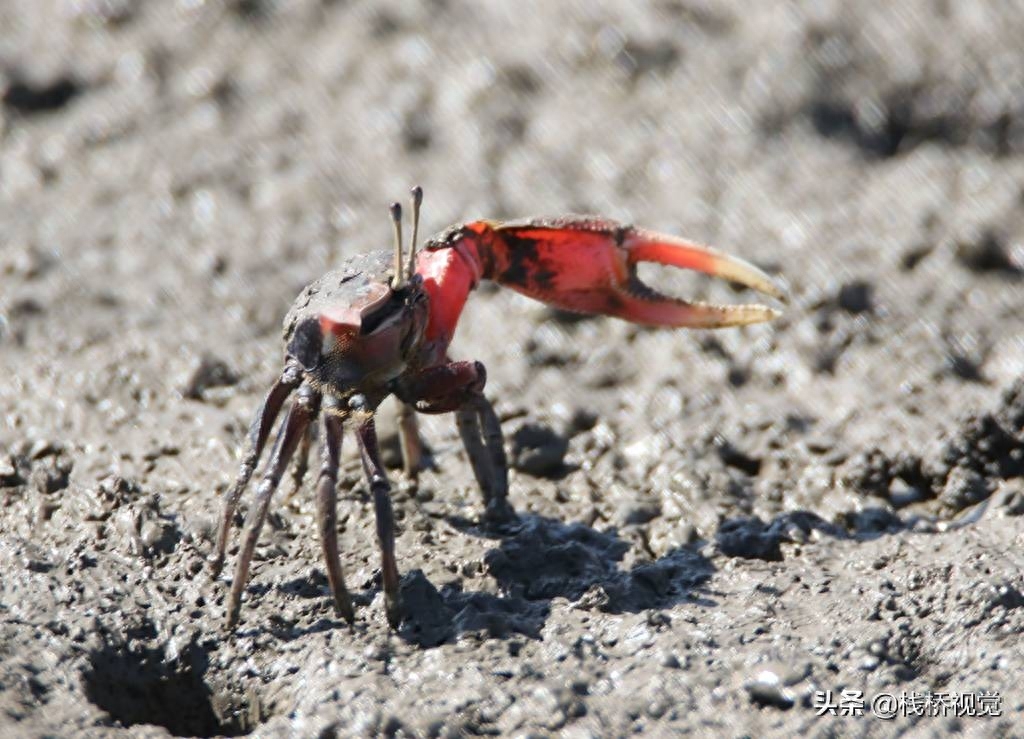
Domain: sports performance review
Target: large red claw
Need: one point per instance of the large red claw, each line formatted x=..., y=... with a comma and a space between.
x=588, y=265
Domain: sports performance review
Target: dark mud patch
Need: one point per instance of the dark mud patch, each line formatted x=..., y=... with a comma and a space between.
x=752, y=538
x=990, y=252
x=27, y=98
x=546, y=559
x=144, y=685
x=434, y=616
x=954, y=104
x=539, y=451
x=541, y=561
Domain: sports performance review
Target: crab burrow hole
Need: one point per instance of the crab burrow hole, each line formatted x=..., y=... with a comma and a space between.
x=139, y=685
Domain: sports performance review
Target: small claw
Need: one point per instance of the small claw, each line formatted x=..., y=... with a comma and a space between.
x=588, y=265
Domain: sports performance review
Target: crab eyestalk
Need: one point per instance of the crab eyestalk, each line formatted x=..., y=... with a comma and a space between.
x=417, y=201
x=396, y=220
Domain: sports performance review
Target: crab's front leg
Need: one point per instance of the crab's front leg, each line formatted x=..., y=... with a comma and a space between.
x=380, y=488
x=589, y=265
x=301, y=414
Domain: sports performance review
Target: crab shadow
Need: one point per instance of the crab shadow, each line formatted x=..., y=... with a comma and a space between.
x=537, y=561
x=750, y=537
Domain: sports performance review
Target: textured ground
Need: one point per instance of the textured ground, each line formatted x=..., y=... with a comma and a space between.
x=738, y=519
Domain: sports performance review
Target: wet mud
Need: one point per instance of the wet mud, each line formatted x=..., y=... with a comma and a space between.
x=712, y=526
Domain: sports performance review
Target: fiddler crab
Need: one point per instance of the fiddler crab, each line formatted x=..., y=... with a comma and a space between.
x=381, y=325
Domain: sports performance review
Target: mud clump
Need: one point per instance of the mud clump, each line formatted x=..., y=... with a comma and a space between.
x=208, y=372
x=750, y=538
x=990, y=252
x=539, y=450
x=986, y=447
x=960, y=470
x=433, y=617
x=27, y=98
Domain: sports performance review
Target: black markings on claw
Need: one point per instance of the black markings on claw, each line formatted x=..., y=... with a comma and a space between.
x=620, y=234
x=525, y=266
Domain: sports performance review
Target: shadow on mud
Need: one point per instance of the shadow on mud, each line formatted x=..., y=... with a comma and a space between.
x=137, y=685
x=540, y=559
x=749, y=537
x=752, y=538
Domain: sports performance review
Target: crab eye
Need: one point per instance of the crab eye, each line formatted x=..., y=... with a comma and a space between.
x=306, y=343
x=379, y=314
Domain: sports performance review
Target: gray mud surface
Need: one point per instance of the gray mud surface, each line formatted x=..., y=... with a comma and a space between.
x=712, y=526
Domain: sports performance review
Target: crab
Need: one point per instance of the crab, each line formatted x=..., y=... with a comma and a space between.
x=381, y=326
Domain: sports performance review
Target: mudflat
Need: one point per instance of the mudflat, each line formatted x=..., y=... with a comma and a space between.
x=718, y=532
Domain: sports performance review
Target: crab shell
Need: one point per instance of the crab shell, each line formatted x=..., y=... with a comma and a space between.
x=349, y=329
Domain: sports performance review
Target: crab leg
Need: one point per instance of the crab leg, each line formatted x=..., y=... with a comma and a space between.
x=258, y=433
x=409, y=439
x=481, y=435
x=301, y=465
x=458, y=387
x=366, y=433
x=302, y=412
x=327, y=513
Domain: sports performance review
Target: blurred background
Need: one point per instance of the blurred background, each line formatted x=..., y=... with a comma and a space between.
x=173, y=172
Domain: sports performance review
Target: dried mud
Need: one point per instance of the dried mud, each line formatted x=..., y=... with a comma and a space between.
x=712, y=526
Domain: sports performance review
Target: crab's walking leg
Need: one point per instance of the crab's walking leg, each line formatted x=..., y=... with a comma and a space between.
x=458, y=387
x=258, y=433
x=301, y=466
x=468, y=422
x=498, y=509
x=302, y=412
x=326, y=509
x=366, y=433
x=481, y=435
x=409, y=438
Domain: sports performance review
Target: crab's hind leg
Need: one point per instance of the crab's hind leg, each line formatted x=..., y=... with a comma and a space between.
x=301, y=465
x=303, y=411
x=326, y=506
x=258, y=433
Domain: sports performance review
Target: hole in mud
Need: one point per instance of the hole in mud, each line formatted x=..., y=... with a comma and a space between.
x=28, y=99
x=142, y=686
